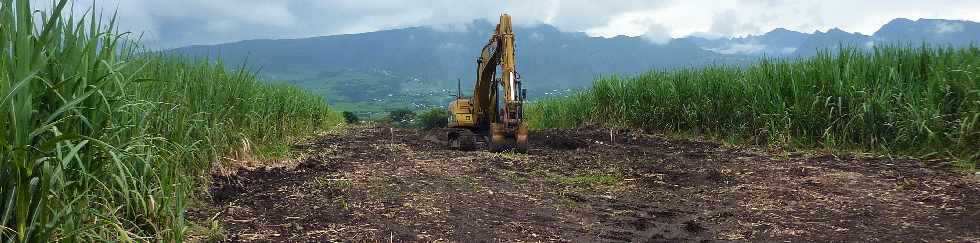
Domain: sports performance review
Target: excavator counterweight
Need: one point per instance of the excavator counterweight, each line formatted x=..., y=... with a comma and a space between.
x=482, y=116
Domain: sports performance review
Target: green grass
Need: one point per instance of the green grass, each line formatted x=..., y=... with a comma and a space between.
x=905, y=100
x=102, y=140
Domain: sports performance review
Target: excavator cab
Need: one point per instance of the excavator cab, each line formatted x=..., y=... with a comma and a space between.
x=461, y=113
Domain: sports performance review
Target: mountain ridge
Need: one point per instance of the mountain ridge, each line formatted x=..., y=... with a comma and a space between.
x=896, y=31
x=428, y=60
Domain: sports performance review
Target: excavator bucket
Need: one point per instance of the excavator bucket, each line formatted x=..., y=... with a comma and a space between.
x=503, y=139
x=522, y=138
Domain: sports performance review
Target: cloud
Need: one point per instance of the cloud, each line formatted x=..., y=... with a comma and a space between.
x=175, y=23
x=742, y=48
x=537, y=36
x=869, y=44
x=948, y=27
x=724, y=24
x=451, y=46
x=787, y=50
x=171, y=23
x=657, y=34
x=452, y=27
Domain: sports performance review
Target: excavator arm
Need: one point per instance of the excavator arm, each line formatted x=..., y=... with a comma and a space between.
x=484, y=94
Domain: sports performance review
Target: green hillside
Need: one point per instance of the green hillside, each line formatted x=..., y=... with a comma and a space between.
x=420, y=65
x=414, y=67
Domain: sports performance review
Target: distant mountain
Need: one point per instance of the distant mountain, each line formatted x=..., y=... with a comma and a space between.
x=777, y=42
x=547, y=57
x=785, y=43
x=405, y=66
x=954, y=32
x=831, y=39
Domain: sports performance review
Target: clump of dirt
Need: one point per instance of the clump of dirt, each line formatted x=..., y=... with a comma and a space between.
x=559, y=142
x=385, y=184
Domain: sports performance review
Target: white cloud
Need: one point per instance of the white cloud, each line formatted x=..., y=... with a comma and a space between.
x=537, y=36
x=948, y=27
x=869, y=44
x=716, y=18
x=657, y=34
x=787, y=50
x=741, y=48
x=724, y=24
x=170, y=23
x=452, y=27
x=452, y=46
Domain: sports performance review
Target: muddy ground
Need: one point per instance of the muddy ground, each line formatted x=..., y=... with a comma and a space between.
x=589, y=184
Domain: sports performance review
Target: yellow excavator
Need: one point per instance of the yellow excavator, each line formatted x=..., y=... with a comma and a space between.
x=481, y=118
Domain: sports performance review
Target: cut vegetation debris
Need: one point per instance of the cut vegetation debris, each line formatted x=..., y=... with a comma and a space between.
x=402, y=185
x=103, y=140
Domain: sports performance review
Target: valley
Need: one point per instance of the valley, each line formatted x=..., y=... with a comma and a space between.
x=417, y=68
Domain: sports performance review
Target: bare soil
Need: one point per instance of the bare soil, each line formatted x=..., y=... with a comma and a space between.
x=589, y=184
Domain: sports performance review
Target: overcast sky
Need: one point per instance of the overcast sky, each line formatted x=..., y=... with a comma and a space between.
x=172, y=23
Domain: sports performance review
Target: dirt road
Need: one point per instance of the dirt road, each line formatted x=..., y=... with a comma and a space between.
x=590, y=184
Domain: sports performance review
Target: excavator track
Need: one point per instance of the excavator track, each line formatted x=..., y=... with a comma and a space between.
x=462, y=139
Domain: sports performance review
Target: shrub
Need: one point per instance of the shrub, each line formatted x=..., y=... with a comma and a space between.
x=402, y=117
x=433, y=118
x=350, y=117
